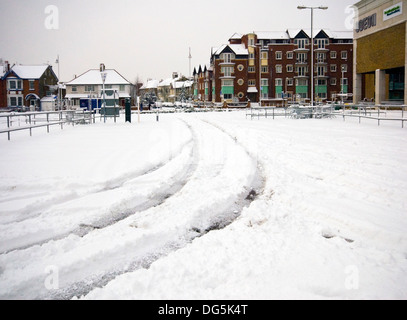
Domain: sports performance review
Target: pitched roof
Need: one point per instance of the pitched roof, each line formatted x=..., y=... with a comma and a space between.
x=267, y=35
x=151, y=84
x=29, y=72
x=238, y=49
x=93, y=77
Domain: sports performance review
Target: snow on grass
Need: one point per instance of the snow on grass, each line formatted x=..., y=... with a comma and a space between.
x=330, y=222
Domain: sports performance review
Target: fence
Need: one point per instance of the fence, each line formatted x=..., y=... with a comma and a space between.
x=378, y=113
x=12, y=122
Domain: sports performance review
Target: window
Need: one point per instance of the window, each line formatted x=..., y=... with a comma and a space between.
x=279, y=82
x=344, y=55
x=290, y=68
x=240, y=67
x=344, y=68
x=251, y=55
x=31, y=84
x=333, y=81
x=290, y=55
x=252, y=69
x=227, y=71
x=345, y=81
x=302, y=57
x=333, y=68
x=321, y=82
x=301, y=43
x=290, y=82
x=302, y=82
x=302, y=71
x=264, y=82
x=320, y=43
x=15, y=85
x=12, y=85
x=279, y=68
x=13, y=101
x=227, y=57
x=74, y=88
x=227, y=83
x=122, y=88
x=321, y=57
x=279, y=55
x=264, y=69
x=240, y=82
x=264, y=55
x=321, y=71
x=251, y=42
x=252, y=83
x=333, y=54
x=89, y=88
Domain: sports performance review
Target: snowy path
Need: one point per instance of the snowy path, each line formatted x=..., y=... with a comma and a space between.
x=101, y=230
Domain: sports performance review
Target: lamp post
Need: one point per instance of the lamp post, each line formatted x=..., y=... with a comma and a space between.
x=312, y=45
x=104, y=75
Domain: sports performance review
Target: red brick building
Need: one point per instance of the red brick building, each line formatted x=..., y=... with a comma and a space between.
x=275, y=66
x=203, y=83
x=23, y=86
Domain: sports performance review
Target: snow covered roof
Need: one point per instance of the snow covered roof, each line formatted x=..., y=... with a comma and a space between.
x=167, y=82
x=292, y=33
x=238, y=49
x=151, y=84
x=183, y=84
x=236, y=36
x=49, y=99
x=29, y=72
x=278, y=35
x=93, y=77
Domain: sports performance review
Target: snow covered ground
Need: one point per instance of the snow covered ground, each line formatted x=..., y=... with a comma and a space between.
x=205, y=206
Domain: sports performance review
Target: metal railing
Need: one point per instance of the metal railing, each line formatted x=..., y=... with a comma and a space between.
x=12, y=122
x=378, y=113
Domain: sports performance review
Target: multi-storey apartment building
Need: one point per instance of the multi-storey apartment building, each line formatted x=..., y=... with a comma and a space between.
x=270, y=66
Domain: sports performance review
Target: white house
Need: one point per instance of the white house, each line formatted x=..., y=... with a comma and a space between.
x=86, y=90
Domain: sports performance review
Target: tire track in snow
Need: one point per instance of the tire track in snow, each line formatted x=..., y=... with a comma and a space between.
x=224, y=218
x=155, y=244
x=161, y=195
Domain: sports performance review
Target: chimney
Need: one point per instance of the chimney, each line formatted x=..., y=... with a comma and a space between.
x=6, y=66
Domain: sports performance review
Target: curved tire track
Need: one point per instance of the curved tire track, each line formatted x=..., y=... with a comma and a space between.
x=156, y=243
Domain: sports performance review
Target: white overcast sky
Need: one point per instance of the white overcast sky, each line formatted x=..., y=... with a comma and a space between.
x=145, y=39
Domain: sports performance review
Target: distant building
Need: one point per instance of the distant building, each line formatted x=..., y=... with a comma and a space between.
x=23, y=86
x=203, y=83
x=276, y=66
x=86, y=90
x=380, y=54
x=174, y=89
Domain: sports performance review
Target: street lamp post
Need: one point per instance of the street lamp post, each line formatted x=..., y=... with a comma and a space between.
x=312, y=45
x=104, y=75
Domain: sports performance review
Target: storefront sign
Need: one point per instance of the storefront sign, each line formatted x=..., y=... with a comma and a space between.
x=393, y=11
x=367, y=23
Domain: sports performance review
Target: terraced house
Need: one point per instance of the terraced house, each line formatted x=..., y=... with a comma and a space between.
x=269, y=67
